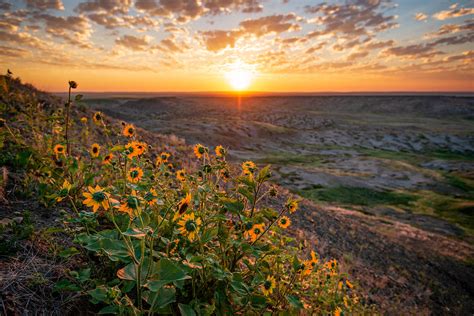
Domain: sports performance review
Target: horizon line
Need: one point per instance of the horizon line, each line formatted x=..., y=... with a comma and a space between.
x=288, y=93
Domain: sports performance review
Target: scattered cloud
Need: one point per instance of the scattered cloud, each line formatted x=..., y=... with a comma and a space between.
x=420, y=16
x=45, y=4
x=453, y=12
x=134, y=42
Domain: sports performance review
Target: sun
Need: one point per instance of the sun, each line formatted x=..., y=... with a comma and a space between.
x=239, y=76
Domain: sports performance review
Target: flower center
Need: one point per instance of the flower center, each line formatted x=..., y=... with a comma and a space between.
x=134, y=174
x=267, y=285
x=130, y=130
x=190, y=226
x=256, y=231
x=94, y=149
x=98, y=196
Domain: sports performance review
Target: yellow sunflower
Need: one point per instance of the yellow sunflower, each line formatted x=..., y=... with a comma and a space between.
x=292, y=206
x=97, y=117
x=128, y=130
x=95, y=150
x=182, y=206
x=84, y=120
x=180, y=175
x=59, y=150
x=64, y=191
x=309, y=265
x=151, y=197
x=140, y=147
x=337, y=312
x=189, y=226
x=254, y=232
x=162, y=158
x=220, y=151
x=135, y=174
x=108, y=159
x=199, y=150
x=96, y=197
x=284, y=222
x=248, y=167
x=130, y=205
x=268, y=285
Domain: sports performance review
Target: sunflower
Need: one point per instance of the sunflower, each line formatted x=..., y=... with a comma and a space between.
x=151, y=197
x=180, y=175
x=248, y=167
x=309, y=265
x=199, y=150
x=59, y=150
x=84, y=120
x=128, y=130
x=108, y=159
x=97, y=117
x=284, y=222
x=64, y=191
x=130, y=205
x=182, y=206
x=135, y=174
x=162, y=158
x=220, y=151
x=268, y=285
x=254, y=232
x=337, y=311
x=140, y=147
x=292, y=206
x=96, y=197
x=95, y=150
x=189, y=226
x=130, y=150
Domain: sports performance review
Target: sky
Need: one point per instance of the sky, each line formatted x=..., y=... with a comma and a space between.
x=209, y=45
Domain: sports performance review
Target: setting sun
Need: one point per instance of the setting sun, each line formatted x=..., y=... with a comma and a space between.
x=239, y=77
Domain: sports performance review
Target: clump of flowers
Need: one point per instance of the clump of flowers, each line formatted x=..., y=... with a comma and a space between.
x=197, y=240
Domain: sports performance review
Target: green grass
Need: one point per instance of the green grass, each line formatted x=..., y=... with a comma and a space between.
x=357, y=196
x=416, y=157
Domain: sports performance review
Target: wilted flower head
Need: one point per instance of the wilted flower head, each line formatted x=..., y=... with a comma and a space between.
x=72, y=84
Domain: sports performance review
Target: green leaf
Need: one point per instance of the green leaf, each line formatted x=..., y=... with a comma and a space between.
x=186, y=310
x=167, y=272
x=160, y=299
x=66, y=285
x=111, y=309
x=134, y=232
x=233, y=205
x=208, y=234
x=69, y=252
x=99, y=294
x=294, y=301
x=264, y=173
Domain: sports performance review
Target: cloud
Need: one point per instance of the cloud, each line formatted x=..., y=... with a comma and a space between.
x=45, y=4
x=352, y=19
x=5, y=6
x=420, y=16
x=218, y=40
x=127, y=21
x=315, y=48
x=413, y=51
x=468, y=25
x=273, y=24
x=453, y=12
x=105, y=6
x=357, y=55
x=133, y=42
x=75, y=30
x=186, y=10
x=12, y=52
